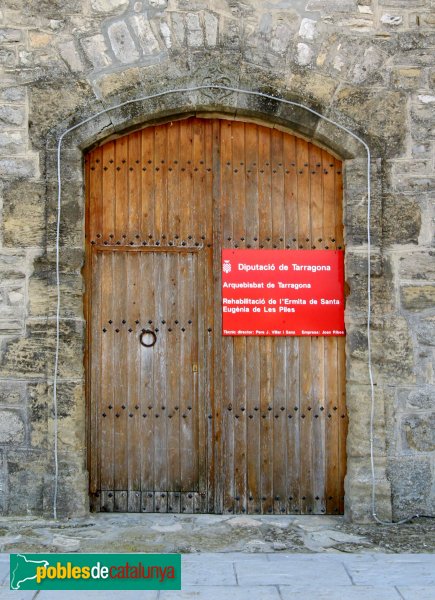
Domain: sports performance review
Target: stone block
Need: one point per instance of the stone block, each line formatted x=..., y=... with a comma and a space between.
x=393, y=351
x=195, y=35
x=145, y=35
x=11, y=116
x=32, y=356
x=368, y=66
x=355, y=218
x=14, y=95
x=358, y=490
x=10, y=35
x=401, y=220
x=43, y=296
x=381, y=285
x=12, y=142
x=308, y=29
x=417, y=297
x=211, y=25
x=406, y=78
x=13, y=266
x=304, y=54
x=19, y=167
x=425, y=331
x=72, y=214
x=12, y=393
x=8, y=56
x=25, y=472
x=73, y=494
x=122, y=43
x=422, y=398
x=51, y=103
x=358, y=400
x=411, y=483
x=387, y=110
x=97, y=51
x=313, y=87
x=70, y=55
x=12, y=431
x=24, y=214
x=418, y=432
x=39, y=405
x=391, y=20
x=108, y=6
x=418, y=265
x=42, y=284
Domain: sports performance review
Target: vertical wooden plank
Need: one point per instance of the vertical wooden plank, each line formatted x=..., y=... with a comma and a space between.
x=120, y=380
x=174, y=360
x=252, y=343
x=147, y=321
x=328, y=415
x=290, y=191
x=121, y=501
x=174, y=502
x=329, y=201
x=277, y=189
x=108, y=193
x=107, y=439
x=266, y=373
x=239, y=365
x=133, y=374
x=173, y=183
x=188, y=382
x=96, y=402
x=317, y=343
x=134, y=188
x=215, y=453
x=185, y=167
x=304, y=228
x=95, y=195
x=147, y=185
x=107, y=501
x=227, y=342
x=174, y=324
x=292, y=439
x=148, y=505
x=121, y=190
x=160, y=278
x=293, y=444
x=160, y=183
x=187, y=502
x=161, y=502
x=318, y=423
x=199, y=215
x=303, y=183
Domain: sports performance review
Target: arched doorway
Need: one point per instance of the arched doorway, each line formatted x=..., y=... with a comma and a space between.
x=189, y=420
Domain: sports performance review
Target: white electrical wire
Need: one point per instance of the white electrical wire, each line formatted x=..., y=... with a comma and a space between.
x=59, y=196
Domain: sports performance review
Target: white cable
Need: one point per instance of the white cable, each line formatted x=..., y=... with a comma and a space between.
x=249, y=93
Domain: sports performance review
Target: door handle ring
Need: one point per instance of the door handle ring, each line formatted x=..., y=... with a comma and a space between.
x=148, y=332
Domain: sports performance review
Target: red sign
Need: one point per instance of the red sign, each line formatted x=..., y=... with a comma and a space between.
x=283, y=292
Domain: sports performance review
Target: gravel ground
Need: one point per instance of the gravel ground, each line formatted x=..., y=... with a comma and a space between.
x=212, y=533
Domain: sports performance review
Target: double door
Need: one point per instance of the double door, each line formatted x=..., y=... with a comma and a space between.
x=181, y=418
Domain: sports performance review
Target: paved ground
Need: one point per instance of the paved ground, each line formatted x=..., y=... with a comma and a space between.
x=243, y=557
x=238, y=576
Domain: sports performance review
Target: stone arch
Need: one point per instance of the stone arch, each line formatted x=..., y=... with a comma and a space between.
x=236, y=105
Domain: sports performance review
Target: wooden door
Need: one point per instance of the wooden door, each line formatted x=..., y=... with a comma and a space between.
x=199, y=422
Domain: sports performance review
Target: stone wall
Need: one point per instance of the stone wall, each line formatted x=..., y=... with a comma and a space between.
x=367, y=64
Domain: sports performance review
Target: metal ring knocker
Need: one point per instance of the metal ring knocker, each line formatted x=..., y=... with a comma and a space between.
x=148, y=332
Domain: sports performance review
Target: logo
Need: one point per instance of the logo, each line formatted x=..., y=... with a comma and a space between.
x=226, y=267
x=95, y=572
